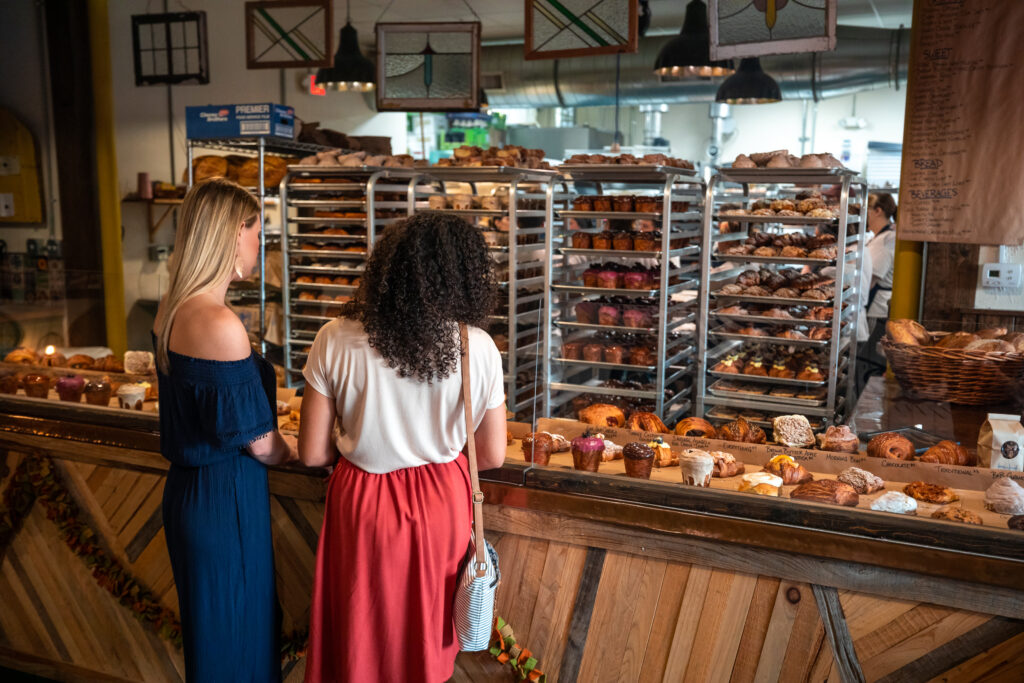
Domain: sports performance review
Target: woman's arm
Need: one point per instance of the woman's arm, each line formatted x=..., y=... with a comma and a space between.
x=491, y=441
x=272, y=449
x=316, y=448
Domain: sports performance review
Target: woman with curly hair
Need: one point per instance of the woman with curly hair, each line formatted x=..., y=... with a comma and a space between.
x=398, y=514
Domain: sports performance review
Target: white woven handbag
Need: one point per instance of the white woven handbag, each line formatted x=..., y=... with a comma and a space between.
x=474, y=594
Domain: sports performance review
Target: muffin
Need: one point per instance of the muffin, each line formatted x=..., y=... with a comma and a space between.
x=607, y=279
x=647, y=241
x=608, y=315
x=97, y=392
x=8, y=382
x=641, y=355
x=587, y=452
x=581, y=240
x=593, y=352
x=638, y=458
x=603, y=240
x=537, y=448
x=587, y=312
x=572, y=350
x=602, y=203
x=648, y=204
x=622, y=241
x=131, y=396
x=70, y=388
x=36, y=385
x=636, y=279
x=637, y=318
x=613, y=353
x=590, y=277
x=623, y=203
x=583, y=203
x=697, y=467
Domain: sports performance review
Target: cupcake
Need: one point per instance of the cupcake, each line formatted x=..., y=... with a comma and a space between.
x=607, y=279
x=647, y=241
x=648, y=204
x=593, y=352
x=97, y=392
x=590, y=277
x=613, y=353
x=583, y=203
x=623, y=203
x=131, y=396
x=70, y=388
x=572, y=350
x=581, y=240
x=641, y=355
x=622, y=241
x=697, y=466
x=587, y=312
x=602, y=203
x=637, y=318
x=603, y=240
x=8, y=382
x=586, y=453
x=537, y=448
x=608, y=315
x=36, y=385
x=638, y=458
x=636, y=279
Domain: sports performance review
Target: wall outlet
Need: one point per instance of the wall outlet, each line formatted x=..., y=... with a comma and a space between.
x=1009, y=275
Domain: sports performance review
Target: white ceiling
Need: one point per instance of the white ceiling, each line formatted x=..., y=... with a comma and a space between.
x=503, y=19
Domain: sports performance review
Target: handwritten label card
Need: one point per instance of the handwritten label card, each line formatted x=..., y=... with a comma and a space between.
x=963, y=133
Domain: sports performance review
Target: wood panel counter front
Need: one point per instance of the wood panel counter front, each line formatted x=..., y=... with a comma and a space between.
x=600, y=580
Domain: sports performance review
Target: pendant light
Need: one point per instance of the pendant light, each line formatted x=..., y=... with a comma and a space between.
x=688, y=55
x=351, y=70
x=749, y=85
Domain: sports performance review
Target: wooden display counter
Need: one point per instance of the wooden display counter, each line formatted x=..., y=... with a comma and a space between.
x=603, y=579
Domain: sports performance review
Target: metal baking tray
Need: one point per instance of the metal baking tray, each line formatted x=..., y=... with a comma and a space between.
x=326, y=187
x=498, y=174
x=783, y=175
x=341, y=289
x=782, y=220
x=629, y=215
x=776, y=300
x=672, y=325
x=767, y=424
x=319, y=253
x=600, y=365
x=770, y=340
x=767, y=320
x=319, y=237
x=302, y=317
x=691, y=250
x=325, y=270
x=600, y=291
x=768, y=380
x=624, y=173
x=781, y=260
x=716, y=390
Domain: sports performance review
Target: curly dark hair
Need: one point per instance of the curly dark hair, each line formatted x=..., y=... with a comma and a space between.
x=426, y=275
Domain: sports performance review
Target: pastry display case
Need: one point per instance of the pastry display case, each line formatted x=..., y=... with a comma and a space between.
x=333, y=216
x=513, y=206
x=623, y=271
x=779, y=308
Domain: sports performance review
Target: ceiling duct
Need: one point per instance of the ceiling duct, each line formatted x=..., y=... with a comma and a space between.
x=864, y=59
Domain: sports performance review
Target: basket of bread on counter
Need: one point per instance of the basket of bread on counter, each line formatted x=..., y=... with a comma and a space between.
x=973, y=368
x=889, y=475
x=127, y=382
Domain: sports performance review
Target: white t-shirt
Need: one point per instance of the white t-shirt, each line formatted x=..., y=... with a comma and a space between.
x=387, y=422
x=882, y=252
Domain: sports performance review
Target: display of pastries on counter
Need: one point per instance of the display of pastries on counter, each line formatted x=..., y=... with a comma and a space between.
x=790, y=332
x=510, y=155
x=787, y=283
x=339, y=157
x=781, y=158
x=628, y=160
x=990, y=340
x=790, y=244
x=810, y=312
x=132, y=362
x=805, y=365
x=623, y=240
x=625, y=203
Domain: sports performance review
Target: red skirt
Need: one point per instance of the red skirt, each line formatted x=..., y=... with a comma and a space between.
x=386, y=570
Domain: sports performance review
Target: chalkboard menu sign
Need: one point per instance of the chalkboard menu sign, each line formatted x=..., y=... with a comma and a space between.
x=963, y=140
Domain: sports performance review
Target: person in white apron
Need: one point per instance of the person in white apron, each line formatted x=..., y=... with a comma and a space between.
x=882, y=255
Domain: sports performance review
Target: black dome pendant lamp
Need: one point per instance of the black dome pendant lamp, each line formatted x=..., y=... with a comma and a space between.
x=749, y=85
x=688, y=55
x=351, y=71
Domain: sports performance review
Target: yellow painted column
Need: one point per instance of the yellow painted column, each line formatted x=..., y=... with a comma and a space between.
x=906, y=280
x=108, y=197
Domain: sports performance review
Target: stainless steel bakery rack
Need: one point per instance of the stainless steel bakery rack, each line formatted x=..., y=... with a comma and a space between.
x=725, y=331
x=661, y=381
x=333, y=216
x=513, y=206
x=258, y=147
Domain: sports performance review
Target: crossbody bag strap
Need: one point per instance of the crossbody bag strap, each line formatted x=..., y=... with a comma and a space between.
x=480, y=563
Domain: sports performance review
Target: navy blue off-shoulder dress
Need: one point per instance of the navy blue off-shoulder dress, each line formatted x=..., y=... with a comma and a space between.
x=216, y=513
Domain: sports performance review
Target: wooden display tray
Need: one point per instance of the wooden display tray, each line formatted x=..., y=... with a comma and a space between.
x=970, y=483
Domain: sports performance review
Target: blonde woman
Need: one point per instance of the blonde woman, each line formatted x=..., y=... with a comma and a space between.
x=218, y=430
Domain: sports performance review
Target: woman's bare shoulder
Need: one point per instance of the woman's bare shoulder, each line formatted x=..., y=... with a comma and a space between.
x=209, y=330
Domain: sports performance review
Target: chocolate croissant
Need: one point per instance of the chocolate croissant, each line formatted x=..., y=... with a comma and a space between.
x=891, y=447
x=696, y=426
x=646, y=422
x=741, y=431
x=949, y=453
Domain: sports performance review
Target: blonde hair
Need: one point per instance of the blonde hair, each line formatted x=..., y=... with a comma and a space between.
x=204, y=248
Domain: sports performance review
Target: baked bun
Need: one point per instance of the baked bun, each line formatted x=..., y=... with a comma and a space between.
x=891, y=447
x=741, y=431
x=696, y=426
x=905, y=331
x=957, y=340
x=603, y=415
x=949, y=453
x=792, y=431
x=80, y=361
x=991, y=346
x=646, y=422
x=726, y=465
x=21, y=355
x=992, y=332
x=839, y=439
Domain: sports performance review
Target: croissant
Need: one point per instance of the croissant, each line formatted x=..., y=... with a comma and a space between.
x=891, y=447
x=949, y=453
x=787, y=468
x=741, y=431
x=726, y=465
x=696, y=426
x=646, y=422
x=603, y=415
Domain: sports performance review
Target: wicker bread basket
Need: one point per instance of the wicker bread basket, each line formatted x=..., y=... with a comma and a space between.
x=954, y=375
